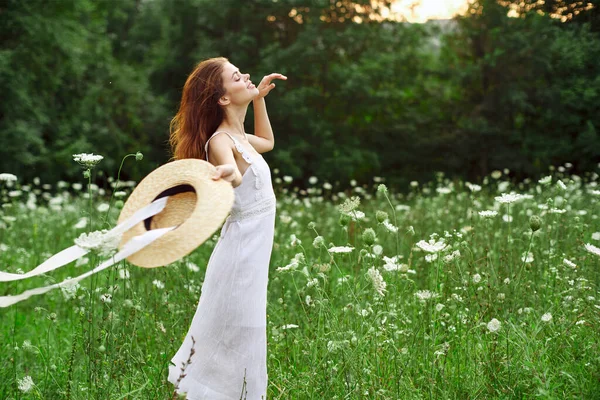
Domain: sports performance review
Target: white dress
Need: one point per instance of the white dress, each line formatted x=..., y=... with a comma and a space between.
x=230, y=323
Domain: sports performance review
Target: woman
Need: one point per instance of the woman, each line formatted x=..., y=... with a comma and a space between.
x=224, y=353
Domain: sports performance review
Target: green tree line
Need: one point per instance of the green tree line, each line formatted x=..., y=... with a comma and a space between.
x=366, y=95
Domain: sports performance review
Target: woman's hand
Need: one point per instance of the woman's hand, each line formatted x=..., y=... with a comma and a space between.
x=226, y=172
x=265, y=85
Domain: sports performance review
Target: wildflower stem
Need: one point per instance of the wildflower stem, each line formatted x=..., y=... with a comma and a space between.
x=342, y=273
x=115, y=188
x=90, y=197
x=524, y=258
x=437, y=272
x=508, y=356
x=48, y=352
x=509, y=225
x=395, y=222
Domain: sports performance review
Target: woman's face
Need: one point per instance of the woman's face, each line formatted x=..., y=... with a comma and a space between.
x=239, y=89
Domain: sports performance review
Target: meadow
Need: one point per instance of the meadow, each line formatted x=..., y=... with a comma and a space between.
x=451, y=290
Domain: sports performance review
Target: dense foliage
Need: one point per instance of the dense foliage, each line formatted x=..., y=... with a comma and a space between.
x=365, y=97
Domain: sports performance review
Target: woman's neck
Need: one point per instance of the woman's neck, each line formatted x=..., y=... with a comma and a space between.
x=233, y=121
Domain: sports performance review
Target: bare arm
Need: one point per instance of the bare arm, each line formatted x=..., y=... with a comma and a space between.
x=263, y=139
x=220, y=154
x=260, y=145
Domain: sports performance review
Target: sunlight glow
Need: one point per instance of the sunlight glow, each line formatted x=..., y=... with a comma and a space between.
x=422, y=10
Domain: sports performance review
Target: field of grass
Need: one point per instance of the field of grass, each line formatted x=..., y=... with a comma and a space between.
x=372, y=294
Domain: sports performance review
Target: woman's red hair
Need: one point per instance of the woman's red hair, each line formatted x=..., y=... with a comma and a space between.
x=199, y=114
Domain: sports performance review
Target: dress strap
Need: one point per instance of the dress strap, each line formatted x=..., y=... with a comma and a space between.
x=237, y=144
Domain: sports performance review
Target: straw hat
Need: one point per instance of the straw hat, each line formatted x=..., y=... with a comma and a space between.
x=197, y=204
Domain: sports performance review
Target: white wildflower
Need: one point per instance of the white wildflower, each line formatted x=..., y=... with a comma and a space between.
x=451, y=257
x=25, y=384
x=192, y=267
x=6, y=177
x=432, y=246
x=476, y=278
x=308, y=300
x=325, y=267
x=294, y=263
x=431, y=257
x=106, y=298
x=473, y=187
x=569, y=263
x=443, y=190
x=390, y=227
x=349, y=205
x=556, y=211
x=377, y=249
x=318, y=242
x=547, y=317
x=356, y=215
x=443, y=349
x=104, y=241
x=527, y=258
x=340, y=249
x=87, y=160
x=402, y=207
x=391, y=264
x=103, y=207
x=289, y=326
x=488, y=213
x=561, y=185
x=596, y=236
x=82, y=223
x=546, y=180
x=425, y=294
x=502, y=186
x=457, y=297
x=123, y=273
x=592, y=249
x=377, y=280
x=312, y=282
x=27, y=346
x=69, y=290
x=496, y=174
x=508, y=198
x=158, y=284
x=294, y=241
x=494, y=325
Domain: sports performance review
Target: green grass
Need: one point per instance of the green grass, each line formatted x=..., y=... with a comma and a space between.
x=350, y=342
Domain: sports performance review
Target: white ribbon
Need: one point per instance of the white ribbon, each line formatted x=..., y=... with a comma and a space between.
x=74, y=252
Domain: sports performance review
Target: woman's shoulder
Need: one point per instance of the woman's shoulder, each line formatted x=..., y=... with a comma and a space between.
x=221, y=140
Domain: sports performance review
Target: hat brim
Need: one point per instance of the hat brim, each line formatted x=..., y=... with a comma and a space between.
x=198, y=211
